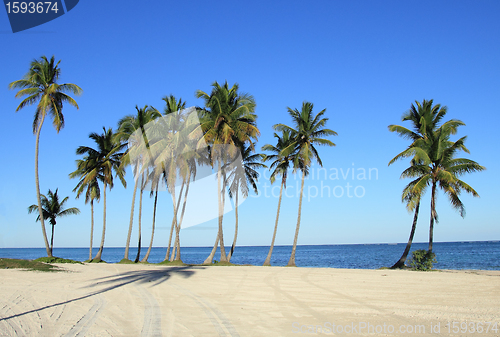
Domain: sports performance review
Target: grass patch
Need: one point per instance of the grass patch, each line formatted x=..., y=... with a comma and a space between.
x=173, y=263
x=126, y=261
x=56, y=260
x=27, y=265
x=96, y=261
x=223, y=264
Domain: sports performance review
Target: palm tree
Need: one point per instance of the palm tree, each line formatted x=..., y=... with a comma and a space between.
x=173, y=107
x=105, y=160
x=39, y=86
x=241, y=176
x=424, y=118
x=128, y=126
x=308, y=132
x=227, y=121
x=52, y=209
x=92, y=191
x=440, y=168
x=434, y=154
x=281, y=164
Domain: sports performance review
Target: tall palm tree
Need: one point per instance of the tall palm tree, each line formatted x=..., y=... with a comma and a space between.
x=424, y=118
x=52, y=209
x=243, y=175
x=106, y=159
x=440, y=168
x=173, y=107
x=39, y=86
x=280, y=164
x=308, y=132
x=92, y=191
x=434, y=152
x=128, y=126
x=227, y=120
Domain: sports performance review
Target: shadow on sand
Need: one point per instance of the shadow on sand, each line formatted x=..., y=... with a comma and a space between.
x=153, y=277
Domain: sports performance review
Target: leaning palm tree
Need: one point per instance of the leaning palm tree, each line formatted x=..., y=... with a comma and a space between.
x=41, y=88
x=430, y=143
x=440, y=168
x=243, y=175
x=280, y=164
x=106, y=159
x=227, y=120
x=127, y=127
x=52, y=209
x=308, y=132
x=424, y=118
x=92, y=191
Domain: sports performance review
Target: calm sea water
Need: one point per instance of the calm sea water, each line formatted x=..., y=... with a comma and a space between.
x=450, y=255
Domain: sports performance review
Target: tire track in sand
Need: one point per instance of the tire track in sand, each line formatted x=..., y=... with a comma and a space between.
x=220, y=322
x=152, y=314
x=83, y=325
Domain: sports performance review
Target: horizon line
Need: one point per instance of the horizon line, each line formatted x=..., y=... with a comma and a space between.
x=327, y=244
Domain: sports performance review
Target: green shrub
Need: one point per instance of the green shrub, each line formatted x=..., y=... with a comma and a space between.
x=422, y=260
x=55, y=259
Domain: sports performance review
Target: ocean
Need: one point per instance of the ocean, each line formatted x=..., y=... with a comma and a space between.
x=450, y=255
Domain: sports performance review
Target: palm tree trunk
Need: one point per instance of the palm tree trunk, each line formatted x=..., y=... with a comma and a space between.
x=131, y=220
x=402, y=259
x=210, y=257
x=267, y=262
x=145, y=259
x=235, y=226
x=178, y=240
x=37, y=183
x=433, y=215
x=91, y=228
x=184, y=202
x=291, y=262
x=223, y=257
x=52, y=241
x=97, y=258
x=176, y=208
x=140, y=216
x=167, y=256
x=174, y=222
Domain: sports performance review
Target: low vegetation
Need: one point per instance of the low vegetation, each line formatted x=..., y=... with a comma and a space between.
x=54, y=259
x=422, y=260
x=26, y=265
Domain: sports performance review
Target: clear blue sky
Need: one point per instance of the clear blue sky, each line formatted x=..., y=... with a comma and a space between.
x=364, y=61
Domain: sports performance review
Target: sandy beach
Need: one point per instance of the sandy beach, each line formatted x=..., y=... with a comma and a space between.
x=151, y=300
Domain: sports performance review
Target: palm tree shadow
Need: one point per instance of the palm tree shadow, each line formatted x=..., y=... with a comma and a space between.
x=155, y=277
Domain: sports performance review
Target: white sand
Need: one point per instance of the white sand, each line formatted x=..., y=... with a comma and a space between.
x=149, y=300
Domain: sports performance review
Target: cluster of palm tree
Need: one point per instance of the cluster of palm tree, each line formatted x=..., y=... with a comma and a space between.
x=165, y=150
x=433, y=163
x=296, y=147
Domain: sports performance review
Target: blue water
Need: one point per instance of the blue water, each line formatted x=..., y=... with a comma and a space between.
x=450, y=255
